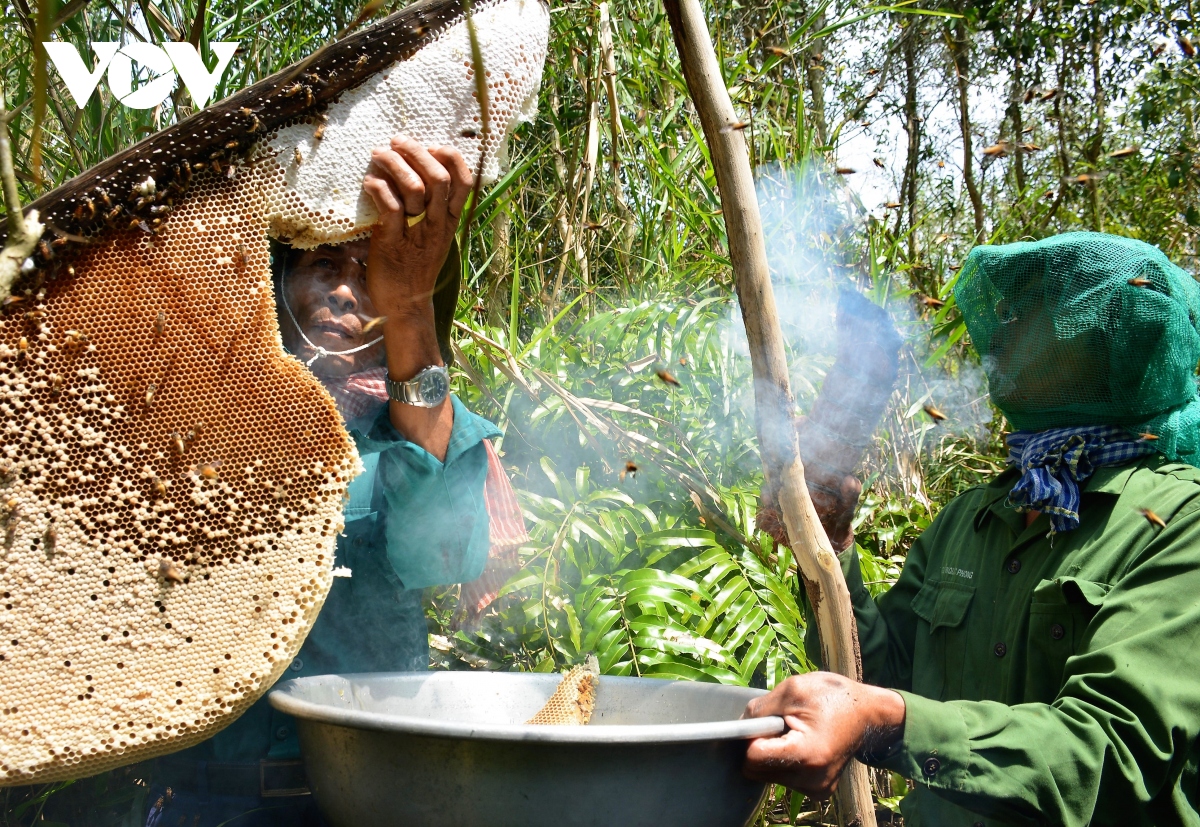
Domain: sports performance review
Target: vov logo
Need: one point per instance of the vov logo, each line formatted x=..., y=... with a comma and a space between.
x=163, y=62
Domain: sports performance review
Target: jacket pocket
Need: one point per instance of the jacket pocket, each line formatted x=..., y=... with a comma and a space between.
x=1059, y=613
x=938, y=660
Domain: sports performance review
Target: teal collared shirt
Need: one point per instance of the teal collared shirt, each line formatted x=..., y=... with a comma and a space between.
x=411, y=521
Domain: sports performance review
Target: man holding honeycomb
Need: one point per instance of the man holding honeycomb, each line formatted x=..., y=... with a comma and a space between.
x=372, y=320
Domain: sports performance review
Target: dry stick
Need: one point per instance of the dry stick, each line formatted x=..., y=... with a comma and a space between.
x=772, y=395
x=573, y=239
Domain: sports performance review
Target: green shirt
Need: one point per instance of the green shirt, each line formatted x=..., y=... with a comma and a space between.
x=1047, y=682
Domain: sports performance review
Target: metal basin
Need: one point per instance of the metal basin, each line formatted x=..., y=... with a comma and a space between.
x=449, y=748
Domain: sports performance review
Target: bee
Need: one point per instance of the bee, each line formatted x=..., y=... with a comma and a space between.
x=243, y=258
x=736, y=126
x=160, y=323
x=593, y=226
x=845, y=170
x=930, y=301
x=102, y=197
x=1185, y=45
x=469, y=133
x=194, y=432
x=136, y=222
x=255, y=123
x=1159, y=49
x=1030, y=147
x=1140, y=282
x=158, y=488
x=630, y=470
x=683, y=361
x=151, y=392
x=420, y=29
x=941, y=164
x=1123, y=153
x=997, y=150
x=86, y=210
x=361, y=62
x=231, y=145
x=934, y=413
x=209, y=470
x=9, y=301
x=11, y=520
x=373, y=323
x=6, y=471
x=1147, y=437
x=779, y=51
x=668, y=378
x=1030, y=93
x=177, y=443
x=22, y=347
x=893, y=205
x=293, y=90
x=216, y=166
x=1048, y=95
x=230, y=172
x=297, y=157
x=319, y=134
x=50, y=539
x=877, y=162
x=942, y=238
x=1152, y=518
x=198, y=166
x=167, y=570
x=45, y=251
x=872, y=73
x=56, y=384
x=317, y=79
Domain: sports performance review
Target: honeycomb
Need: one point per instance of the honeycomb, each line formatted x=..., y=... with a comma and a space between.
x=574, y=698
x=171, y=481
x=314, y=184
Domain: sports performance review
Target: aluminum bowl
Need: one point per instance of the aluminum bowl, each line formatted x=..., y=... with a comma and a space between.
x=450, y=748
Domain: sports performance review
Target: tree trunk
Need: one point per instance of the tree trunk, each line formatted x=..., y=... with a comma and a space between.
x=1096, y=145
x=912, y=125
x=814, y=75
x=772, y=394
x=1014, y=106
x=960, y=50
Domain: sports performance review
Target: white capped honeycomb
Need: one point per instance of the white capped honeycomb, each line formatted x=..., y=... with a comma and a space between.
x=315, y=185
x=574, y=698
x=171, y=481
x=171, y=494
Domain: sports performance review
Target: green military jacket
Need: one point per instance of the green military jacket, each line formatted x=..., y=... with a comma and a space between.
x=1047, y=681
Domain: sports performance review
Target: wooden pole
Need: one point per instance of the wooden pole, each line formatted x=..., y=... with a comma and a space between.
x=772, y=394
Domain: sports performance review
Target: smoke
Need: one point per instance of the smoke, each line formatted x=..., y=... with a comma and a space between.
x=816, y=251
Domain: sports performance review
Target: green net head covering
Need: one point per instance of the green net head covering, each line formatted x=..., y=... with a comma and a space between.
x=1087, y=329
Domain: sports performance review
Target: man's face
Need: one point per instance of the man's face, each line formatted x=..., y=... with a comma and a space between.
x=327, y=291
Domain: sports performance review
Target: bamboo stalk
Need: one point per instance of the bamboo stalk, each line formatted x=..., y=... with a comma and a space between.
x=772, y=394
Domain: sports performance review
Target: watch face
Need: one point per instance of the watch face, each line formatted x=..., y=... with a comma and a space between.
x=434, y=387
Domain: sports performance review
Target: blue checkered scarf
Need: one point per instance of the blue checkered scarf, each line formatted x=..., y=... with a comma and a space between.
x=1054, y=463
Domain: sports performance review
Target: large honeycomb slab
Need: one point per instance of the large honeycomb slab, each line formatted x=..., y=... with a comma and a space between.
x=171, y=481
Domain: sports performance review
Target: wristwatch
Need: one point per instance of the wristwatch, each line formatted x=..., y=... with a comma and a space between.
x=427, y=389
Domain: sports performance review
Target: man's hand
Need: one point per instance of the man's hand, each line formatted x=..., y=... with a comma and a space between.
x=406, y=180
x=835, y=500
x=829, y=718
